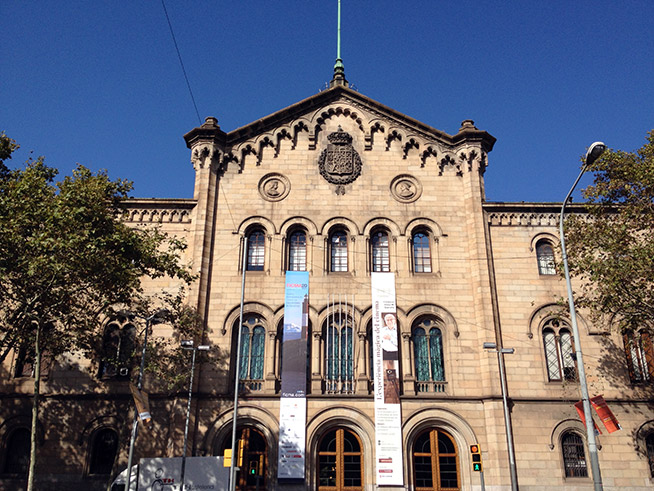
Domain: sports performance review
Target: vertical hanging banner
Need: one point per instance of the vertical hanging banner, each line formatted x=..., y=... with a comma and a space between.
x=293, y=402
x=388, y=416
x=605, y=414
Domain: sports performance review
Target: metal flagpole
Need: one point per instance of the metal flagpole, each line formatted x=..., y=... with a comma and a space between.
x=232, y=470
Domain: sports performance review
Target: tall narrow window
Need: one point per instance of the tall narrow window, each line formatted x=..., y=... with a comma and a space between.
x=338, y=251
x=340, y=461
x=574, y=457
x=557, y=341
x=338, y=354
x=117, y=350
x=256, y=248
x=428, y=356
x=297, y=251
x=435, y=461
x=649, y=448
x=17, y=452
x=640, y=356
x=421, y=253
x=253, y=338
x=104, y=447
x=545, y=256
x=380, y=252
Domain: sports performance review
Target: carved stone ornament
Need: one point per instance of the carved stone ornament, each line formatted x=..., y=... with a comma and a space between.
x=406, y=188
x=339, y=163
x=274, y=187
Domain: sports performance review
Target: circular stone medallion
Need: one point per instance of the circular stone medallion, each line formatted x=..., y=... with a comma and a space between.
x=406, y=188
x=274, y=187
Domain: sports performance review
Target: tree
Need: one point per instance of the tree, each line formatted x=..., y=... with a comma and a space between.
x=611, y=249
x=66, y=258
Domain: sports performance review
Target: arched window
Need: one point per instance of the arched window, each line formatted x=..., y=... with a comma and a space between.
x=17, y=452
x=435, y=461
x=297, y=251
x=421, y=253
x=256, y=249
x=338, y=251
x=640, y=355
x=104, y=446
x=574, y=457
x=379, y=252
x=649, y=448
x=118, y=345
x=558, y=351
x=428, y=355
x=338, y=354
x=545, y=256
x=253, y=338
x=340, y=461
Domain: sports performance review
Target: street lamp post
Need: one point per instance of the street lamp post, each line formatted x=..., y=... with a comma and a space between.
x=492, y=347
x=158, y=316
x=189, y=345
x=594, y=152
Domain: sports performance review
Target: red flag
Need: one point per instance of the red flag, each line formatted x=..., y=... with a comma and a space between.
x=605, y=414
x=580, y=410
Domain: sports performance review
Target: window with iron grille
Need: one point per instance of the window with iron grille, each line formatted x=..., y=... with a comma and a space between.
x=338, y=251
x=428, y=353
x=253, y=338
x=118, y=344
x=297, y=251
x=104, y=447
x=421, y=253
x=380, y=251
x=339, y=354
x=17, y=452
x=640, y=356
x=574, y=457
x=557, y=341
x=545, y=256
x=649, y=448
x=256, y=249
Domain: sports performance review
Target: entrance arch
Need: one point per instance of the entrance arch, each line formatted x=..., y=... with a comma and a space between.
x=435, y=461
x=252, y=475
x=340, y=461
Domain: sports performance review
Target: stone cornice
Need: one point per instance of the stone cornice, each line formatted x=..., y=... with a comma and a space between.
x=139, y=210
x=527, y=214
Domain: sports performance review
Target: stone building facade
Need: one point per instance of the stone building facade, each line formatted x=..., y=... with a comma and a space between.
x=341, y=186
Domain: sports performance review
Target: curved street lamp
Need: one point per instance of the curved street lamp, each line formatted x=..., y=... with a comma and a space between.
x=594, y=152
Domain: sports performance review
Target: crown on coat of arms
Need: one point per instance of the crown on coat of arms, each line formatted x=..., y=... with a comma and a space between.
x=340, y=137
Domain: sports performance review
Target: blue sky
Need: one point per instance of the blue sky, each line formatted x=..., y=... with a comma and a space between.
x=100, y=83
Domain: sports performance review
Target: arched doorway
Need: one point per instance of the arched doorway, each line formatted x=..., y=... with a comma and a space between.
x=340, y=461
x=435, y=462
x=252, y=475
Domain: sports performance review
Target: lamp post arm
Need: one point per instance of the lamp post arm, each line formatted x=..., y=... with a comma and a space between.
x=590, y=430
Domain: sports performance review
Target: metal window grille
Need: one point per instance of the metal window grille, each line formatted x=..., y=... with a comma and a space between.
x=256, y=248
x=545, y=256
x=421, y=253
x=574, y=458
x=297, y=253
x=339, y=346
x=338, y=243
x=380, y=252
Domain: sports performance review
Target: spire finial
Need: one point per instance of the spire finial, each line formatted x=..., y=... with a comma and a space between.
x=339, y=68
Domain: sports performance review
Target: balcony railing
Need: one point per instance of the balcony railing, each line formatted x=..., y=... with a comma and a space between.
x=430, y=386
x=250, y=385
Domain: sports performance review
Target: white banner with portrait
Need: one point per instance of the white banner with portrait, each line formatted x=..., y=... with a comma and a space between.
x=388, y=415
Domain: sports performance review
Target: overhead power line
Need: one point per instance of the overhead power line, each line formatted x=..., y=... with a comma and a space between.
x=172, y=33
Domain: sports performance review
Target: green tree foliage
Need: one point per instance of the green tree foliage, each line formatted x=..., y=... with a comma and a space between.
x=66, y=258
x=611, y=250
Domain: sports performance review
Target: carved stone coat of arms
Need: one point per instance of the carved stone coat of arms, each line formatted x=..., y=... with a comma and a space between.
x=339, y=163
